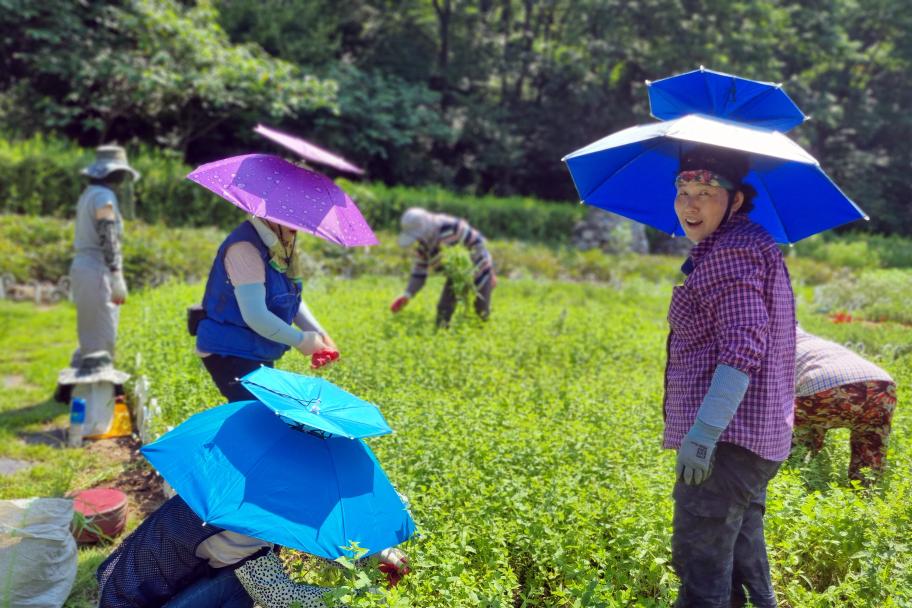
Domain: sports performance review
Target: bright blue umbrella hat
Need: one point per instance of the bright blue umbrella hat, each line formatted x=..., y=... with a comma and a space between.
x=239, y=467
x=750, y=102
x=315, y=403
x=632, y=173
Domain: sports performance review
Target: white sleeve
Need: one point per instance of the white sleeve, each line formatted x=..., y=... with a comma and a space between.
x=227, y=548
x=268, y=584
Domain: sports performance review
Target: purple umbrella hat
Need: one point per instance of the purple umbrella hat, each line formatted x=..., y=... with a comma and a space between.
x=277, y=190
x=308, y=151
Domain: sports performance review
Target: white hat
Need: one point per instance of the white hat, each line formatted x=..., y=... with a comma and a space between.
x=416, y=223
x=109, y=159
x=93, y=367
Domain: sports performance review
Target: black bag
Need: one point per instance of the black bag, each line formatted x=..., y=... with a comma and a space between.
x=195, y=314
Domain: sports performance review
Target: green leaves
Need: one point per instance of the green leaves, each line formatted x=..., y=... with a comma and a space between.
x=529, y=448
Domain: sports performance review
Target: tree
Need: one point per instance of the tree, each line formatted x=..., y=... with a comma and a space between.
x=148, y=68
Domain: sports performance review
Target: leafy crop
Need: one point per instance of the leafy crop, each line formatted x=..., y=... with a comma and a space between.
x=529, y=447
x=458, y=269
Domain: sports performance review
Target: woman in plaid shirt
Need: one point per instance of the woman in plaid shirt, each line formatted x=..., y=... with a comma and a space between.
x=431, y=231
x=729, y=384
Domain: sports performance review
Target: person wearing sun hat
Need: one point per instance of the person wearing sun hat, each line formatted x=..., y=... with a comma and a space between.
x=175, y=559
x=96, y=273
x=729, y=384
x=431, y=232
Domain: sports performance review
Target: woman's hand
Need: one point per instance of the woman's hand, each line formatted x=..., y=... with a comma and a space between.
x=394, y=564
x=330, y=344
x=327, y=355
x=311, y=343
x=118, y=288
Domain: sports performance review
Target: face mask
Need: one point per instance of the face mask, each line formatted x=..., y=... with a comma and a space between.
x=126, y=198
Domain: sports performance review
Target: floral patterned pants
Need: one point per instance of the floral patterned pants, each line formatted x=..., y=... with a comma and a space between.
x=864, y=407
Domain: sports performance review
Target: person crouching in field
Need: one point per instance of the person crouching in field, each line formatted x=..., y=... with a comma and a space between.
x=431, y=231
x=729, y=384
x=174, y=559
x=836, y=388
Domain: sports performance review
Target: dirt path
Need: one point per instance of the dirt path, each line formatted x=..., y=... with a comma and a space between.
x=140, y=483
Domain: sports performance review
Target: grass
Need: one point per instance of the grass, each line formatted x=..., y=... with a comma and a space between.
x=35, y=344
x=529, y=446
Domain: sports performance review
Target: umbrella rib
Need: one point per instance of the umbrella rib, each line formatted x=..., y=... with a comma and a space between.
x=281, y=394
x=762, y=96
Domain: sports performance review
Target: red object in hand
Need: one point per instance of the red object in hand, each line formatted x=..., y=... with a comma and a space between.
x=323, y=357
x=393, y=574
x=398, y=303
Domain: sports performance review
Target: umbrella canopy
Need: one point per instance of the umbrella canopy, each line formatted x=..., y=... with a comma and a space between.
x=750, y=102
x=309, y=151
x=315, y=403
x=632, y=173
x=241, y=468
x=273, y=188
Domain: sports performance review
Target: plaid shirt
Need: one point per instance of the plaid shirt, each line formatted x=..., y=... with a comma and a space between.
x=450, y=232
x=821, y=365
x=735, y=308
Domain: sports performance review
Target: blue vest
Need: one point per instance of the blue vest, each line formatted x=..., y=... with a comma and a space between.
x=223, y=331
x=157, y=561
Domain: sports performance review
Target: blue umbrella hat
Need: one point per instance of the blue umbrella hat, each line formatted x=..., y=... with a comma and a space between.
x=632, y=173
x=315, y=404
x=750, y=102
x=241, y=468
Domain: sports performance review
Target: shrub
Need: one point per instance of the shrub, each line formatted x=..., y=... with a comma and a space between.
x=40, y=176
x=42, y=247
x=876, y=295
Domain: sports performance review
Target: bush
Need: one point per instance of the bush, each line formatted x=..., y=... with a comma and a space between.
x=42, y=247
x=875, y=295
x=40, y=176
x=857, y=250
x=521, y=218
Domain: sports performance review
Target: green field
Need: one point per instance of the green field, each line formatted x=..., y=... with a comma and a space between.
x=529, y=447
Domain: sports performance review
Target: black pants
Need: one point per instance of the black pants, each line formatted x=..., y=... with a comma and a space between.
x=225, y=370
x=447, y=303
x=718, y=548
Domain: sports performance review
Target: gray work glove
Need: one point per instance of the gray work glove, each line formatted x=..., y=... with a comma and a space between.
x=118, y=288
x=695, y=454
x=726, y=390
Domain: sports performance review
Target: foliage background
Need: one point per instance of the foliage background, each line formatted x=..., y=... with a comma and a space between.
x=481, y=96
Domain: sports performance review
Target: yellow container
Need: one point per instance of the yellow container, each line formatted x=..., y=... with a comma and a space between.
x=121, y=425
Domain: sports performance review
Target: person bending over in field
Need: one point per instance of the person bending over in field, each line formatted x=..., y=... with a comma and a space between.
x=431, y=232
x=729, y=384
x=174, y=559
x=252, y=310
x=836, y=388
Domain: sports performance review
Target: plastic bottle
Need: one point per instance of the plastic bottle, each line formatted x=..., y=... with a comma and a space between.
x=77, y=422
